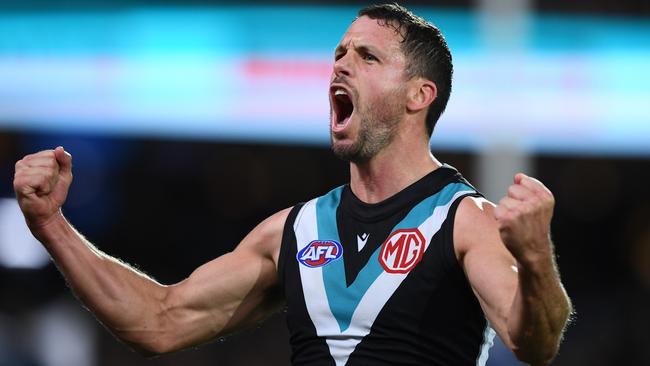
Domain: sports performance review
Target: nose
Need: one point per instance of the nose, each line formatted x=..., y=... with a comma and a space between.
x=342, y=66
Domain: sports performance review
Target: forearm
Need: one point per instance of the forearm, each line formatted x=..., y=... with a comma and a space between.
x=539, y=312
x=125, y=300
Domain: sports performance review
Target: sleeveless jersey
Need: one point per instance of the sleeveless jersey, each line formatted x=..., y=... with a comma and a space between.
x=379, y=284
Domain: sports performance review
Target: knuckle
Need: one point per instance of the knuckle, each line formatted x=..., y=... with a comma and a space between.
x=47, y=173
x=538, y=193
x=535, y=201
x=527, y=208
x=551, y=198
x=540, y=200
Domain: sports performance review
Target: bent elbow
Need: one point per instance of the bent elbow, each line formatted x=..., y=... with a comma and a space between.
x=160, y=336
x=149, y=341
x=153, y=348
x=146, y=352
x=541, y=355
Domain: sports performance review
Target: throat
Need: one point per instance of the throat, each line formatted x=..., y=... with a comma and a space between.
x=384, y=176
x=373, y=182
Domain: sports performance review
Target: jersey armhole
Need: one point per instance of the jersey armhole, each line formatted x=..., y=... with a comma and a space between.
x=449, y=254
x=288, y=242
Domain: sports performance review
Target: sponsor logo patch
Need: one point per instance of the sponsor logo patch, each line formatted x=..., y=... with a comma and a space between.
x=362, y=239
x=402, y=251
x=319, y=253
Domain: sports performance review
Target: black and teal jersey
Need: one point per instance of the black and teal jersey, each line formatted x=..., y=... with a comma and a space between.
x=379, y=284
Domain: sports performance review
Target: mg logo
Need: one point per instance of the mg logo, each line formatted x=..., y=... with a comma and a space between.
x=402, y=251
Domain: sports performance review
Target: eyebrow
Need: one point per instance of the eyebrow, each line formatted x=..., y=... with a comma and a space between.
x=341, y=49
x=369, y=49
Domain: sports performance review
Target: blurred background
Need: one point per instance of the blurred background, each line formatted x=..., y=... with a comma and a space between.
x=191, y=121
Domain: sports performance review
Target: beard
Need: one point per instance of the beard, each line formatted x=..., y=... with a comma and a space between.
x=377, y=129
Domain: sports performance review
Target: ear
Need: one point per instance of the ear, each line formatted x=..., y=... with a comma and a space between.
x=421, y=94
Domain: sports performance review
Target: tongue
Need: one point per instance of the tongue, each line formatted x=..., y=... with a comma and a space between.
x=345, y=108
x=343, y=120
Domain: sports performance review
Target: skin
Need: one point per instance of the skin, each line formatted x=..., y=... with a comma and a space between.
x=504, y=249
x=377, y=112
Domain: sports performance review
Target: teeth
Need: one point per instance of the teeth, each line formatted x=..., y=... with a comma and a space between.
x=340, y=92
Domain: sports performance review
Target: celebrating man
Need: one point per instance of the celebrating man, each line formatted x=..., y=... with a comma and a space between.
x=405, y=265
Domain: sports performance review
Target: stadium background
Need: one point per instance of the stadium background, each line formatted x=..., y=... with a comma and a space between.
x=191, y=121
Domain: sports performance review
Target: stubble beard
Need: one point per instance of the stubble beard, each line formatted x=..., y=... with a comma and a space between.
x=377, y=129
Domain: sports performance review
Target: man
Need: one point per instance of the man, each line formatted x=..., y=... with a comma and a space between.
x=407, y=264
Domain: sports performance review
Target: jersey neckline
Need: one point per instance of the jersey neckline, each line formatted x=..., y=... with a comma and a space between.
x=420, y=189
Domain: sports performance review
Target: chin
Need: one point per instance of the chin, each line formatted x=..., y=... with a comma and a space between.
x=351, y=152
x=346, y=151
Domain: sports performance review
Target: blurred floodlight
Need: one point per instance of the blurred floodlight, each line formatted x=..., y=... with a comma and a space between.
x=18, y=248
x=566, y=83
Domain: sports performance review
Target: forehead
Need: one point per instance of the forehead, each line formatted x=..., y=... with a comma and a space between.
x=366, y=31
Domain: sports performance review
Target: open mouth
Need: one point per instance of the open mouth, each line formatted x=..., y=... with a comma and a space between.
x=342, y=106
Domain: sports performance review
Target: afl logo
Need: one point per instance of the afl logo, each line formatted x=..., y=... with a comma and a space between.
x=319, y=253
x=402, y=251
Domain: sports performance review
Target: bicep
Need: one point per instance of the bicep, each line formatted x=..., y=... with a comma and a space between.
x=229, y=293
x=488, y=265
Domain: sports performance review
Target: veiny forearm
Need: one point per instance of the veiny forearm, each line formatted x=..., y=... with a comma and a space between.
x=128, y=302
x=539, y=312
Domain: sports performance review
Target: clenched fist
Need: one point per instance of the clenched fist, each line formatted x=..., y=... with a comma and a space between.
x=41, y=183
x=524, y=219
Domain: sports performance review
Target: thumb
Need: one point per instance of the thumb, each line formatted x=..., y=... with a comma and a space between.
x=519, y=177
x=64, y=159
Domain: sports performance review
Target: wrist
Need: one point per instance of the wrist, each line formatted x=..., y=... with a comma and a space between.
x=538, y=258
x=538, y=267
x=46, y=230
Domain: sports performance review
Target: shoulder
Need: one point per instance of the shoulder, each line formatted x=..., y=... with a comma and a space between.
x=274, y=224
x=474, y=225
x=266, y=238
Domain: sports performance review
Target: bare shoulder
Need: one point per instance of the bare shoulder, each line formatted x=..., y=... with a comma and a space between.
x=265, y=239
x=475, y=225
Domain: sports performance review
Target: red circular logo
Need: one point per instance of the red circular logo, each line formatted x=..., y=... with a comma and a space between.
x=402, y=251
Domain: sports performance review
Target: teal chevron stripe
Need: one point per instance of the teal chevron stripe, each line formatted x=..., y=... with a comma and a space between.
x=334, y=272
x=425, y=208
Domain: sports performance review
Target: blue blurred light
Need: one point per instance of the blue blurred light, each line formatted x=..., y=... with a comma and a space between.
x=578, y=84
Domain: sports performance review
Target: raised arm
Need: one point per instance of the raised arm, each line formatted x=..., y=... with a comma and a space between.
x=233, y=291
x=508, y=256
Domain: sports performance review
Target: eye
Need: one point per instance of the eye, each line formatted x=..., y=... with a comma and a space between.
x=369, y=57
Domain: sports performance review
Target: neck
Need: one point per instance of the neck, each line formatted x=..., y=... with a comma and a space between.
x=391, y=170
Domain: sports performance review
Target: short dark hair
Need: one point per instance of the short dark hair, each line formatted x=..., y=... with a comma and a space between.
x=426, y=51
